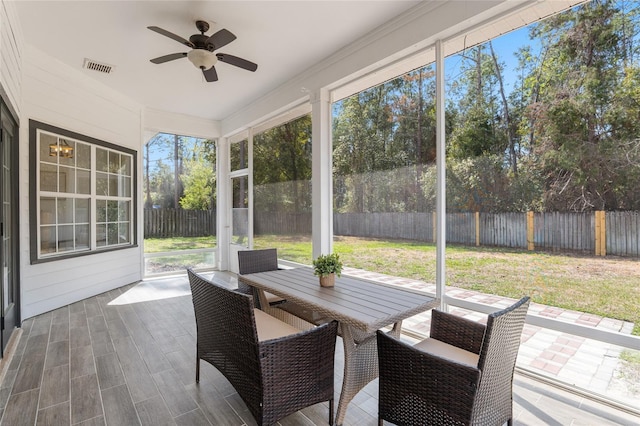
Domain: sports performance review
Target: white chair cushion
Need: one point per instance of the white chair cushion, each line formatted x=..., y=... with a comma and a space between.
x=269, y=327
x=445, y=350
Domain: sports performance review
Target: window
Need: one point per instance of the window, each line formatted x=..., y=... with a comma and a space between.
x=81, y=194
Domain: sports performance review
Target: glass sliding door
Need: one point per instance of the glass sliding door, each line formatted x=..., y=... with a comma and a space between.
x=8, y=227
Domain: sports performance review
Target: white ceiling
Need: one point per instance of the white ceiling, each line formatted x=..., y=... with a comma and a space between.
x=283, y=37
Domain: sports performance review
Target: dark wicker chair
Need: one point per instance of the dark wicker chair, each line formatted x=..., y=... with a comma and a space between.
x=274, y=377
x=252, y=261
x=461, y=375
x=263, y=260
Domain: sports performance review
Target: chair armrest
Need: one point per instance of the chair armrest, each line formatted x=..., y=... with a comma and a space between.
x=457, y=331
x=320, y=340
x=411, y=379
x=301, y=364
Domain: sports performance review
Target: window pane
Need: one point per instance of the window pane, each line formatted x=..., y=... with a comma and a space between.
x=112, y=233
x=114, y=162
x=47, y=211
x=82, y=237
x=45, y=141
x=112, y=211
x=282, y=189
x=240, y=211
x=101, y=211
x=47, y=239
x=113, y=185
x=101, y=235
x=239, y=155
x=124, y=232
x=82, y=211
x=65, y=238
x=102, y=160
x=125, y=187
x=65, y=210
x=67, y=180
x=126, y=165
x=123, y=211
x=48, y=177
x=84, y=182
x=83, y=156
x=67, y=152
x=102, y=184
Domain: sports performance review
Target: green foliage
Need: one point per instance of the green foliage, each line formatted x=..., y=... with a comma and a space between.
x=199, y=185
x=177, y=170
x=563, y=137
x=282, y=167
x=327, y=264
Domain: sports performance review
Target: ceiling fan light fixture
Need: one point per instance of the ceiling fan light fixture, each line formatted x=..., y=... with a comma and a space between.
x=202, y=59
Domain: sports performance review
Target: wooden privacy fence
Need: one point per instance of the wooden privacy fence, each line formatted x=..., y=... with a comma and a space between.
x=600, y=233
x=281, y=223
x=163, y=223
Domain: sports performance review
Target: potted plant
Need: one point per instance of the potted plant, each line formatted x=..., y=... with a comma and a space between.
x=327, y=266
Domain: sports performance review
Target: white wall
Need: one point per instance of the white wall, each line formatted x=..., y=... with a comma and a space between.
x=10, y=56
x=156, y=121
x=59, y=95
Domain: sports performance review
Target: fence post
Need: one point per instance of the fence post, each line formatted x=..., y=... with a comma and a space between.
x=530, y=230
x=477, y=229
x=601, y=233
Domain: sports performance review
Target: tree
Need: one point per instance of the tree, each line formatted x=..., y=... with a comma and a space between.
x=199, y=177
x=586, y=118
x=282, y=159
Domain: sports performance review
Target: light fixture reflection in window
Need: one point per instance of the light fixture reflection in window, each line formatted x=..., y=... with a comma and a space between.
x=63, y=149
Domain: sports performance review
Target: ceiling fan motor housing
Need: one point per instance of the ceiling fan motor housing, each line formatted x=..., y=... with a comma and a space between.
x=202, y=50
x=200, y=42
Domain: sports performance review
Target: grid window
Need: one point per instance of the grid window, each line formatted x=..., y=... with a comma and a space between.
x=84, y=196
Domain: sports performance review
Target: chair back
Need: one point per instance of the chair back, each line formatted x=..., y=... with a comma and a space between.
x=226, y=333
x=252, y=261
x=497, y=362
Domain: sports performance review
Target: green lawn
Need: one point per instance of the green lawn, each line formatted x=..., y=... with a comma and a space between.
x=607, y=286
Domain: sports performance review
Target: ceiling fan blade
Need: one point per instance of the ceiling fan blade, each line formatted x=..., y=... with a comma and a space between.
x=210, y=74
x=238, y=62
x=221, y=38
x=171, y=36
x=167, y=58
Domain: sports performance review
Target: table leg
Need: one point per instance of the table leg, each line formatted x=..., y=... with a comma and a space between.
x=360, y=364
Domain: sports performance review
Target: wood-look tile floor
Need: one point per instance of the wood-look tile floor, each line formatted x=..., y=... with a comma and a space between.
x=127, y=357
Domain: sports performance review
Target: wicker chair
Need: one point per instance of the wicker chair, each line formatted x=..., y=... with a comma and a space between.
x=461, y=375
x=276, y=373
x=252, y=261
x=263, y=260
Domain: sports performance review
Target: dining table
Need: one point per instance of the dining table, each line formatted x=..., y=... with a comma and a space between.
x=360, y=306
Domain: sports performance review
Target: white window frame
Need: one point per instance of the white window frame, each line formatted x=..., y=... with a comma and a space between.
x=126, y=220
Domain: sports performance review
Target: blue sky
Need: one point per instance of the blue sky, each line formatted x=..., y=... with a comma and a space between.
x=505, y=47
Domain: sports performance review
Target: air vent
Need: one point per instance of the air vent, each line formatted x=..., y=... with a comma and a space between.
x=90, y=64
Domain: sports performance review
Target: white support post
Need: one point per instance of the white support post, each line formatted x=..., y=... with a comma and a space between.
x=322, y=178
x=223, y=221
x=441, y=201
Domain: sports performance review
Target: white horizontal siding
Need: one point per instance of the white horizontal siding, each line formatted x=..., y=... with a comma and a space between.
x=10, y=56
x=62, y=96
x=48, y=286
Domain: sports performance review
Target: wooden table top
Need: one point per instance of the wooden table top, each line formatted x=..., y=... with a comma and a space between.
x=362, y=304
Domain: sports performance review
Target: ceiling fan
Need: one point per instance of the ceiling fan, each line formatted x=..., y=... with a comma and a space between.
x=202, y=46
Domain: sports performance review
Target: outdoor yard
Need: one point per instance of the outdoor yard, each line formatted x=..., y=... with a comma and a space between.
x=606, y=286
